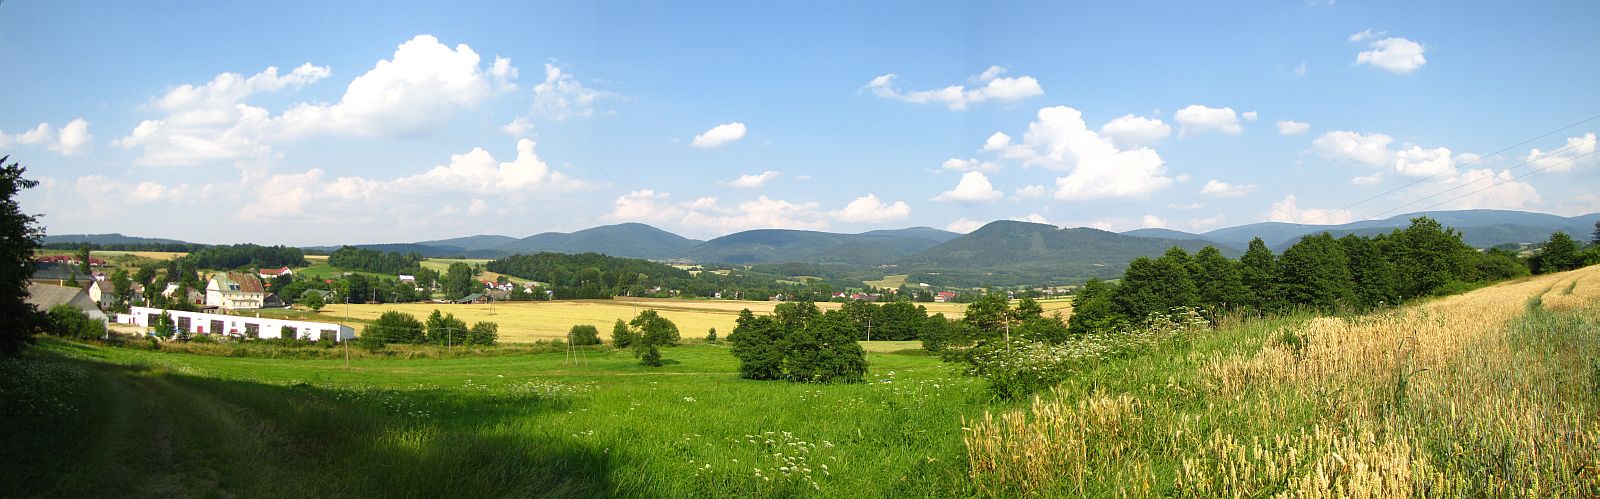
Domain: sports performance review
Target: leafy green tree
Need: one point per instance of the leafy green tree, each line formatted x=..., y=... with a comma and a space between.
x=1595, y=238
x=652, y=331
x=711, y=335
x=1371, y=273
x=1027, y=309
x=1219, y=281
x=989, y=313
x=900, y=321
x=755, y=344
x=460, y=280
x=621, y=336
x=1258, y=269
x=312, y=301
x=1315, y=272
x=19, y=237
x=939, y=334
x=584, y=334
x=393, y=327
x=1427, y=256
x=484, y=333
x=446, y=329
x=1499, y=264
x=1156, y=286
x=1558, y=254
x=795, y=315
x=122, y=287
x=824, y=351
x=1094, y=309
x=68, y=321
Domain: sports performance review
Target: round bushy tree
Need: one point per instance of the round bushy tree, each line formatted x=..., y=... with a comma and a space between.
x=484, y=334
x=755, y=344
x=584, y=334
x=825, y=351
x=621, y=336
x=392, y=326
x=652, y=331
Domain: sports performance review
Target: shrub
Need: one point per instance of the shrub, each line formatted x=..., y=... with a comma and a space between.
x=584, y=334
x=392, y=326
x=312, y=301
x=711, y=335
x=484, y=334
x=1024, y=367
x=70, y=322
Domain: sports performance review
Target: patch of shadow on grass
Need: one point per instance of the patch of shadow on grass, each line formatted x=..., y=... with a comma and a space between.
x=143, y=432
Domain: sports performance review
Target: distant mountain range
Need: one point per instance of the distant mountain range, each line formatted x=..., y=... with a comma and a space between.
x=1479, y=228
x=105, y=239
x=1003, y=251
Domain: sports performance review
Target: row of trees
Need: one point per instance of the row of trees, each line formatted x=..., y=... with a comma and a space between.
x=1561, y=253
x=799, y=342
x=440, y=329
x=246, y=256
x=1321, y=272
x=353, y=258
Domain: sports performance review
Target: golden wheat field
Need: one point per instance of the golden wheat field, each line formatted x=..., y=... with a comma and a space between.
x=529, y=321
x=1489, y=393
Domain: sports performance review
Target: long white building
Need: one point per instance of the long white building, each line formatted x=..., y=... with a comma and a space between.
x=234, y=325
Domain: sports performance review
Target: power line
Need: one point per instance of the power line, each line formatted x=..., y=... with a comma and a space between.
x=1569, y=146
x=1487, y=187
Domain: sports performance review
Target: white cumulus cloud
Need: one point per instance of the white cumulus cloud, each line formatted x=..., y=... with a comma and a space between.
x=970, y=165
x=1579, y=151
x=1130, y=130
x=71, y=140
x=989, y=86
x=1059, y=139
x=561, y=96
x=748, y=181
x=719, y=135
x=1152, y=222
x=974, y=186
x=1197, y=119
x=708, y=216
x=1291, y=127
x=869, y=208
x=963, y=225
x=1222, y=189
x=1288, y=210
x=1395, y=54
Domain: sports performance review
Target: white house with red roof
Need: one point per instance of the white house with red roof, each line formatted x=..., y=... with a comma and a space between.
x=274, y=273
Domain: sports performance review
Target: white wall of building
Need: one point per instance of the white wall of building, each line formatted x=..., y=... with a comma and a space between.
x=201, y=323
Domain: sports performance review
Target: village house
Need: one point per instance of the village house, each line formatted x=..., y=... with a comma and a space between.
x=944, y=297
x=195, y=297
x=274, y=273
x=44, y=297
x=102, y=294
x=235, y=290
x=243, y=327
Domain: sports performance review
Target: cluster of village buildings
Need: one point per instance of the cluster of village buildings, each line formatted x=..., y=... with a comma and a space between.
x=224, y=303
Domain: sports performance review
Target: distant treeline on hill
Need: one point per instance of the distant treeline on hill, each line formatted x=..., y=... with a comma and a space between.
x=589, y=275
x=1321, y=272
x=353, y=258
x=246, y=256
x=163, y=247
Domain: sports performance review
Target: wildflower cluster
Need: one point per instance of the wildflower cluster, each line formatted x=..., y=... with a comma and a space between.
x=790, y=459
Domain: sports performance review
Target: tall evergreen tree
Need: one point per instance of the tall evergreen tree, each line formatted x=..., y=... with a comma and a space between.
x=1315, y=272
x=1258, y=270
x=19, y=237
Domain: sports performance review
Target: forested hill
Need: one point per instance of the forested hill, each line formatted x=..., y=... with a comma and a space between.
x=804, y=246
x=588, y=275
x=1043, y=253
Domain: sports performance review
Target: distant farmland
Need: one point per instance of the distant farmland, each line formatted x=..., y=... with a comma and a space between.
x=529, y=321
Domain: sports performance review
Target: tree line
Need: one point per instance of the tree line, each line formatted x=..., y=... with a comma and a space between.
x=246, y=256
x=1318, y=272
x=353, y=258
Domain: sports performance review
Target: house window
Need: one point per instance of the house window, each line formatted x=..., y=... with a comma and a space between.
x=252, y=330
x=151, y=319
x=327, y=334
x=216, y=327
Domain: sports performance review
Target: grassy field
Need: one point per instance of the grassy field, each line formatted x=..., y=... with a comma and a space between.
x=530, y=321
x=154, y=424
x=889, y=281
x=1490, y=393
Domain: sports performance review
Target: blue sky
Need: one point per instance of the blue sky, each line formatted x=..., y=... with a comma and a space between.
x=388, y=123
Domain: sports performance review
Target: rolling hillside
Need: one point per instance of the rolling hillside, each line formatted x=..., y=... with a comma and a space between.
x=804, y=246
x=1006, y=251
x=630, y=240
x=1479, y=228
